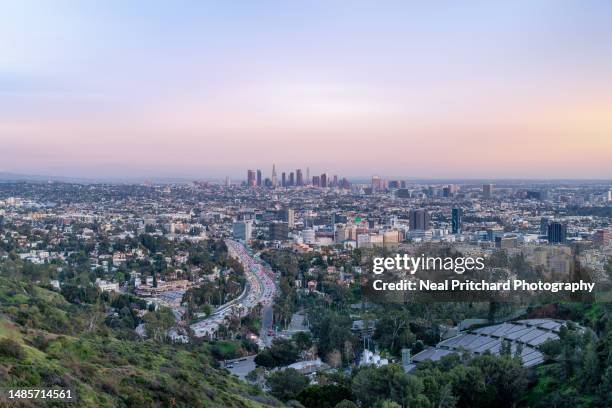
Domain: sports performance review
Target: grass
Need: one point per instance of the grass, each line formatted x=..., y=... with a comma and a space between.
x=107, y=371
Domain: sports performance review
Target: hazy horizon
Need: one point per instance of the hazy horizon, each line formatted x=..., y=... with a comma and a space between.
x=117, y=90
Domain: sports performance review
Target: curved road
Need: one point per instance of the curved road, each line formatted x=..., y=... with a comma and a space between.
x=260, y=289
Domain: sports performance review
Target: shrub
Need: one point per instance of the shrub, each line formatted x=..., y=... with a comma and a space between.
x=10, y=348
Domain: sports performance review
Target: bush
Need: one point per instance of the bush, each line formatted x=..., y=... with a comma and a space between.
x=10, y=348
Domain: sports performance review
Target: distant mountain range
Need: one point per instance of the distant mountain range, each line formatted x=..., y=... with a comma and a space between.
x=8, y=177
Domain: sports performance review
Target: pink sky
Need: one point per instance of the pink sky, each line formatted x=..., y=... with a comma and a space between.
x=512, y=91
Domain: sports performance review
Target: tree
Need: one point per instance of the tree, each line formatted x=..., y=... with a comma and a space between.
x=256, y=375
x=392, y=332
x=506, y=348
x=287, y=384
x=372, y=385
x=590, y=372
x=303, y=340
x=323, y=396
x=282, y=352
x=346, y=404
x=265, y=359
x=158, y=323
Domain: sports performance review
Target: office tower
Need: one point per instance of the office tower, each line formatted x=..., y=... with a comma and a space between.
x=274, y=178
x=299, y=181
x=456, y=220
x=288, y=215
x=544, y=226
x=537, y=195
x=376, y=183
x=493, y=233
x=243, y=230
x=419, y=219
x=324, y=180
x=258, y=178
x=557, y=233
x=394, y=184
x=316, y=181
x=450, y=190
x=487, y=190
x=283, y=180
x=602, y=238
x=402, y=193
x=251, y=178
x=291, y=179
x=278, y=231
x=227, y=181
x=335, y=183
x=307, y=174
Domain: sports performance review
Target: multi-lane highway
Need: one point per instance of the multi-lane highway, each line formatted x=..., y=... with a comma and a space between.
x=260, y=289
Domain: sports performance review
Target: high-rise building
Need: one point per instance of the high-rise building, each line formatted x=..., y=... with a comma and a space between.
x=487, y=190
x=299, y=181
x=419, y=219
x=288, y=215
x=278, y=231
x=602, y=238
x=316, y=181
x=307, y=174
x=243, y=230
x=291, y=179
x=283, y=180
x=335, y=183
x=544, y=226
x=324, y=180
x=450, y=190
x=537, y=194
x=376, y=183
x=402, y=193
x=258, y=178
x=494, y=232
x=557, y=233
x=251, y=181
x=274, y=178
x=456, y=220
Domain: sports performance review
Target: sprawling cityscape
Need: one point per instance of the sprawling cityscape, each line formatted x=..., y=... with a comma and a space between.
x=265, y=273
x=306, y=204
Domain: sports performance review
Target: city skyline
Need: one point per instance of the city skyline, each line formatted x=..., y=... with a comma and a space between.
x=129, y=91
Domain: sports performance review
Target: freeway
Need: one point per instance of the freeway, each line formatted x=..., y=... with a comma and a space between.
x=260, y=289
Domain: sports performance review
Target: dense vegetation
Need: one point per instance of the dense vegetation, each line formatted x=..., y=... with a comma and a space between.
x=47, y=341
x=577, y=371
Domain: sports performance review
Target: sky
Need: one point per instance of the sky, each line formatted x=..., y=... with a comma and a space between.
x=473, y=89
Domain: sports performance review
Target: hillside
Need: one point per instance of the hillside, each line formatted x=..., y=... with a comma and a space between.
x=57, y=343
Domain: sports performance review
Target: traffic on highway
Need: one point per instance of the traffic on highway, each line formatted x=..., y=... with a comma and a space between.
x=260, y=289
